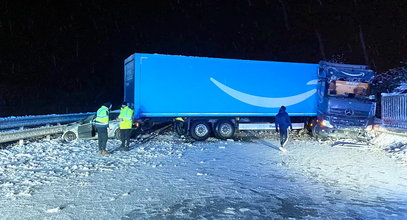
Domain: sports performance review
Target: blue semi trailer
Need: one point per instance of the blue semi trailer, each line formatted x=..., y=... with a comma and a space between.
x=205, y=96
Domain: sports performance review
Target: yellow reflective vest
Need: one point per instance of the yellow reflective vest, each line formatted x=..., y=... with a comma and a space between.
x=126, y=118
x=102, y=116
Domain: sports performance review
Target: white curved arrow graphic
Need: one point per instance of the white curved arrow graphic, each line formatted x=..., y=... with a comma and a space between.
x=350, y=74
x=266, y=102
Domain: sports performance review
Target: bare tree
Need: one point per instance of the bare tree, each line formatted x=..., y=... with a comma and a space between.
x=321, y=44
x=287, y=25
x=362, y=42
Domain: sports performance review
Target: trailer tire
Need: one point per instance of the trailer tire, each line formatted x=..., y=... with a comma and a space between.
x=200, y=130
x=224, y=129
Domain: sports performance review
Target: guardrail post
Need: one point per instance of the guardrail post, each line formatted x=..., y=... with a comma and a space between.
x=48, y=137
x=21, y=141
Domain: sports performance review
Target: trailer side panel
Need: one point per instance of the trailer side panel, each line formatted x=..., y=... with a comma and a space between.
x=172, y=86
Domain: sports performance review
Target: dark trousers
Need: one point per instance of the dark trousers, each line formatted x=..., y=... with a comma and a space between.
x=125, y=138
x=102, y=137
x=283, y=136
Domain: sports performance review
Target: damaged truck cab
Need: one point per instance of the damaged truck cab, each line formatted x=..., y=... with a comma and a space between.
x=345, y=103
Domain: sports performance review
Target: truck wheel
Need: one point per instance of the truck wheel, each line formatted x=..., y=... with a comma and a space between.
x=69, y=136
x=311, y=124
x=316, y=132
x=224, y=129
x=180, y=128
x=200, y=130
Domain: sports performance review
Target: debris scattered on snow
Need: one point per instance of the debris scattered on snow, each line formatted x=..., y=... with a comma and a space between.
x=392, y=144
x=54, y=210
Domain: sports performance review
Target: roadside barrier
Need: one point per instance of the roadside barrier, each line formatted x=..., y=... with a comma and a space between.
x=394, y=110
x=20, y=128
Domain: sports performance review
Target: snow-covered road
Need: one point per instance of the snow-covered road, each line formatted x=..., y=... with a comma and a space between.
x=172, y=178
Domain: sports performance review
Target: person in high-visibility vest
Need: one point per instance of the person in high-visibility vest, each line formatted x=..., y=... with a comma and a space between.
x=102, y=125
x=126, y=123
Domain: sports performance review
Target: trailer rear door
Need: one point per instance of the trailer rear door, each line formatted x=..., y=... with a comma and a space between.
x=129, y=79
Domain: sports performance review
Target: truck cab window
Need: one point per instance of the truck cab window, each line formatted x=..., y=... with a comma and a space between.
x=348, y=89
x=332, y=87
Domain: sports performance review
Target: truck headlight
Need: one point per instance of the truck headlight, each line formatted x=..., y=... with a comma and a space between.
x=326, y=123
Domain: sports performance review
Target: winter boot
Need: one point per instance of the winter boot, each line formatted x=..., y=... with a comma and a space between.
x=105, y=152
x=282, y=148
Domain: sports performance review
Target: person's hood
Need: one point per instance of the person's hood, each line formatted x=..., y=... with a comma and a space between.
x=282, y=110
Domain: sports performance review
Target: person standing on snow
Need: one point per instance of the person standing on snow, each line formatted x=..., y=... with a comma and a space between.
x=282, y=123
x=126, y=122
x=102, y=126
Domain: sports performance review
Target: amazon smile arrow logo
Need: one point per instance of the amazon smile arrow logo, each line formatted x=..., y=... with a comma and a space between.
x=266, y=102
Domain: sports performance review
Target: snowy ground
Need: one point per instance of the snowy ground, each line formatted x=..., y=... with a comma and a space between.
x=168, y=177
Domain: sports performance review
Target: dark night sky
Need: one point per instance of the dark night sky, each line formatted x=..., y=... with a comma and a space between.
x=67, y=56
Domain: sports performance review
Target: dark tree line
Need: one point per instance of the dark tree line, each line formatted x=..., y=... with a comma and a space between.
x=67, y=56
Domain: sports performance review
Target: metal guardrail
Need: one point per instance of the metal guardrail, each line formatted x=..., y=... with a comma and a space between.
x=26, y=121
x=394, y=110
x=29, y=133
x=8, y=135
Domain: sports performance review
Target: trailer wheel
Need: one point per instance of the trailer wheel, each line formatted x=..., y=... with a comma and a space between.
x=200, y=130
x=224, y=129
x=69, y=136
